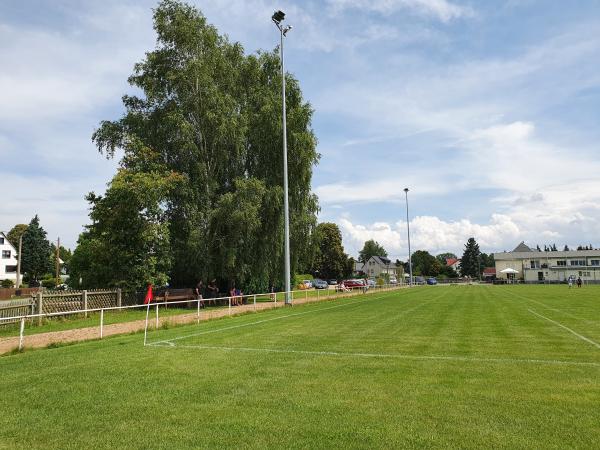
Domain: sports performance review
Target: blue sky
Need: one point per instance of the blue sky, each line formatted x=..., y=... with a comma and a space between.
x=487, y=111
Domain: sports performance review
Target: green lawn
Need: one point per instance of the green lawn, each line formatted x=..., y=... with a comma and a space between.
x=431, y=367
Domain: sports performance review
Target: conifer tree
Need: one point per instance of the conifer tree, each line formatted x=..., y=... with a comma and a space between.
x=470, y=263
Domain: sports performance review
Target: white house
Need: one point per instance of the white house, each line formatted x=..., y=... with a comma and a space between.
x=8, y=259
x=534, y=266
x=377, y=265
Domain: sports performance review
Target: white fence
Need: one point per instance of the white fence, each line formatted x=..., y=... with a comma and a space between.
x=230, y=302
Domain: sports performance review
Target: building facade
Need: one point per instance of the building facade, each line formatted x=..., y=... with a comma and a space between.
x=8, y=259
x=555, y=266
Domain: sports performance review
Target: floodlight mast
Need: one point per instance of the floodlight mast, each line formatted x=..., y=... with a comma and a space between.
x=408, y=232
x=277, y=18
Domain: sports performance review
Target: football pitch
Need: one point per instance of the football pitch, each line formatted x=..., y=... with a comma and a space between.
x=429, y=367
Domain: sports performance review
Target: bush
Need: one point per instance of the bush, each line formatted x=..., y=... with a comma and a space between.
x=49, y=282
x=299, y=278
x=7, y=283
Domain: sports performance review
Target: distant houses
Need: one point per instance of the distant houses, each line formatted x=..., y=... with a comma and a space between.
x=376, y=266
x=533, y=266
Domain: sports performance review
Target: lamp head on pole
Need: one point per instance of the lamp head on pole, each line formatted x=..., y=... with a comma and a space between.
x=406, y=190
x=278, y=17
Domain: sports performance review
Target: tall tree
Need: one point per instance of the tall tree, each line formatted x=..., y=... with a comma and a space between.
x=36, y=258
x=127, y=244
x=212, y=115
x=423, y=263
x=371, y=248
x=470, y=263
x=330, y=259
x=15, y=233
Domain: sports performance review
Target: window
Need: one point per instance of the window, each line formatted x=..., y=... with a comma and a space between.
x=5, y=254
x=11, y=269
x=578, y=262
x=1, y=240
x=595, y=262
x=534, y=264
x=561, y=263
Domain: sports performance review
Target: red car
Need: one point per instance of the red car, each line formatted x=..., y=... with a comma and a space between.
x=354, y=283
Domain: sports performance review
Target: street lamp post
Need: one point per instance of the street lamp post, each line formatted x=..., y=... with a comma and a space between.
x=408, y=231
x=277, y=18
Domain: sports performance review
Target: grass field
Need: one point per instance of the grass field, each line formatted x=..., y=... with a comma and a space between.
x=431, y=367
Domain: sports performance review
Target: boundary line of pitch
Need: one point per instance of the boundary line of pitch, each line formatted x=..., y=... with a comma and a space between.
x=385, y=355
x=200, y=333
x=573, y=332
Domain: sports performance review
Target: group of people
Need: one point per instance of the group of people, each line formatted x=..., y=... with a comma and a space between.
x=211, y=292
x=572, y=279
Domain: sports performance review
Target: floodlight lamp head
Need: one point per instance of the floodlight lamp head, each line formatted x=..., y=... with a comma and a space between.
x=278, y=17
x=286, y=29
x=405, y=189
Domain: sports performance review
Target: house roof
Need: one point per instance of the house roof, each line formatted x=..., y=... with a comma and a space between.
x=522, y=248
x=382, y=260
x=451, y=261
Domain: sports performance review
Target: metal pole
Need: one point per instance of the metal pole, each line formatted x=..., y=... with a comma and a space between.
x=286, y=213
x=408, y=230
x=101, y=322
x=157, y=316
x=198, y=312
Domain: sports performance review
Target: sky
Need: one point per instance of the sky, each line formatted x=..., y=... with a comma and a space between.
x=487, y=111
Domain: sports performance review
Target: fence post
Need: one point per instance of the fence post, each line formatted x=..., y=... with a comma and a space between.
x=101, y=322
x=84, y=299
x=229, y=300
x=21, y=334
x=254, y=302
x=157, y=316
x=317, y=295
x=198, y=312
x=119, y=298
x=40, y=306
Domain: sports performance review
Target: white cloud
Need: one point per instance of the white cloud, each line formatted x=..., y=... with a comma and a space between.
x=432, y=234
x=441, y=9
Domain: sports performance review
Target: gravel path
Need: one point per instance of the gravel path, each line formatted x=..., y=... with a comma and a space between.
x=89, y=333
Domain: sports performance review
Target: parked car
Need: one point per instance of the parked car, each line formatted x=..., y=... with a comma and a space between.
x=419, y=280
x=320, y=284
x=354, y=283
x=332, y=282
x=393, y=280
x=431, y=281
x=307, y=284
x=371, y=282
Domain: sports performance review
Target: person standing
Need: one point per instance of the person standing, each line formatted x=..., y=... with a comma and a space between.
x=570, y=281
x=200, y=293
x=579, y=282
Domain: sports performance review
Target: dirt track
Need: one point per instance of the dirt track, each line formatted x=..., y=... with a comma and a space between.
x=89, y=333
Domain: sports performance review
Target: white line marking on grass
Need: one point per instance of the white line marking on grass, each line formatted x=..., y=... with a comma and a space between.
x=555, y=309
x=384, y=355
x=588, y=340
x=169, y=341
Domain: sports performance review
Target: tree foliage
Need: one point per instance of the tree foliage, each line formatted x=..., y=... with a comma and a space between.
x=470, y=263
x=330, y=259
x=423, y=263
x=35, y=258
x=15, y=233
x=127, y=244
x=210, y=115
x=371, y=248
x=442, y=257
